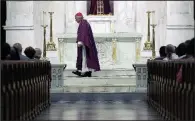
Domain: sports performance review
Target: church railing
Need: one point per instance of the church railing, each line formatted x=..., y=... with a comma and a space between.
x=25, y=89
x=171, y=88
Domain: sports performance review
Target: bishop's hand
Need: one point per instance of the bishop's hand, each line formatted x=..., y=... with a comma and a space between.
x=79, y=44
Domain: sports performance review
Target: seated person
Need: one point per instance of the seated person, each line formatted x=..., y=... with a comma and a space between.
x=170, y=52
x=162, y=53
x=5, y=51
x=30, y=52
x=38, y=53
x=18, y=46
x=181, y=50
x=187, y=42
x=190, y=50
x=14, y=54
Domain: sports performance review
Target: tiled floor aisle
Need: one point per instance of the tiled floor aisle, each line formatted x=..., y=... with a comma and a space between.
x=134, y=110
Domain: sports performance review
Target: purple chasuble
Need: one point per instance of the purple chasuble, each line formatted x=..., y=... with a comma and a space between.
x=85, y=35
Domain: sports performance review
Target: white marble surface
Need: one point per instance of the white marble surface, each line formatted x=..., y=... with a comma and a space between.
x=107, y=81
x=97, y=84
x=102, y=24
x=141, y=75
x=53, y=57
x=25, y=17
x=105, y=73
x=131, y=36
x=19, y=23
x=57, y=76
x=125, y=53
x=174, y=20
x=111, y=81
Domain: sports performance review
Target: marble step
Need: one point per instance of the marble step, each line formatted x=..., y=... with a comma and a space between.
x=98, y=89
x=93, y=81
x=97, y=85
x=94, y=89
x=105, y=73
x=99, y=81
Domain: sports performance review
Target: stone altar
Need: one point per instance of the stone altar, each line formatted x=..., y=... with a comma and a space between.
x=125, y=53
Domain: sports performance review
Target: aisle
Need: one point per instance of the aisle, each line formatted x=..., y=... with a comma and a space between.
x=99, y=110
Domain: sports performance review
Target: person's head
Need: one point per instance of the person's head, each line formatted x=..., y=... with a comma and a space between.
x=38, y=53
x=187, y=42
x=30, y=52
x=169, y=49
x=18, y=46
x=14, y=54
x=5, y=47
x=162, y=51
x=190, y=48
x=78, y=17
x=181, y=49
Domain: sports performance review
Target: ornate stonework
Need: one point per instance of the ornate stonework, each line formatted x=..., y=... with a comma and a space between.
x=104, y=48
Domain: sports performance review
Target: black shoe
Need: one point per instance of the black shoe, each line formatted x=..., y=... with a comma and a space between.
x=86, y=74
x=77, y=73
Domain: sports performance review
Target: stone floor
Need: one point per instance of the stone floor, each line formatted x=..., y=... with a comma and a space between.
x=113, y=98
x=99, y=110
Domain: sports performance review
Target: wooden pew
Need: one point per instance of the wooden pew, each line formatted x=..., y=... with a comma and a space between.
x=25, y=88
x=172, y=99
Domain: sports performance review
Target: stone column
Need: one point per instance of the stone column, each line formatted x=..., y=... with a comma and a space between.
x=81, y=6
x=19, y=24
x=125, y=14
x=71, y=25
x=180, y=22
x=141, y=20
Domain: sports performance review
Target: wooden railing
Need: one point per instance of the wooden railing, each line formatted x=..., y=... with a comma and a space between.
x=25, y=89
x=171, y=88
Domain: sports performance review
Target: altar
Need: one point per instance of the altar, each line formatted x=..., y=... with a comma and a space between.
x=124, y=45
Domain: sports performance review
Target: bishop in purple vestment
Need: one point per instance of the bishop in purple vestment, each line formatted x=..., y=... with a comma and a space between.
x=87, y=55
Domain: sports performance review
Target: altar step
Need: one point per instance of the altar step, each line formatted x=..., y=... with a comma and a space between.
x=98, y=85
x=105, y=73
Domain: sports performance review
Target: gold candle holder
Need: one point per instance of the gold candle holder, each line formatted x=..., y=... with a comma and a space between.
x=137, y=50
x=148, y=44
x=153, y=41
x=51, y=46
x=114, y=50
x=44, y=42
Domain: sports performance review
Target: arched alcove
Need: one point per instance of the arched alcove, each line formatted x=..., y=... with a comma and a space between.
x=108, y=7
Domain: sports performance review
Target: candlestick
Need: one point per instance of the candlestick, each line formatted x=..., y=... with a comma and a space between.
x=112, y=27
x=44, y=41
x=51, y=46
x=114, y=50
x=153, y=41
x=147, y=44
x=137, y=50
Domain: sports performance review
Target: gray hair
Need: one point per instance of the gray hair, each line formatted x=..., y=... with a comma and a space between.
x=170, y=49
x=38, y=52
x=18, y=46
